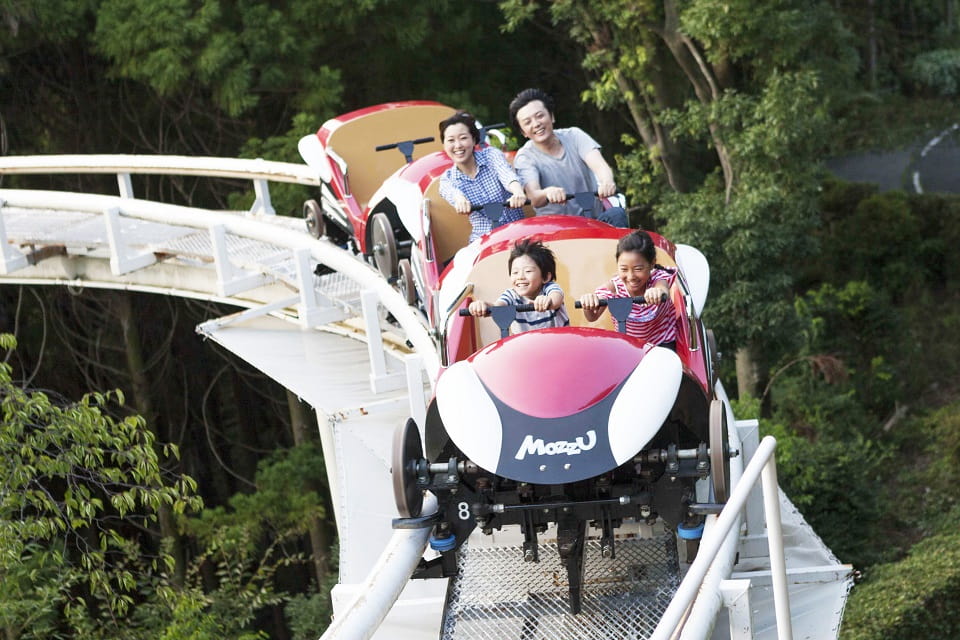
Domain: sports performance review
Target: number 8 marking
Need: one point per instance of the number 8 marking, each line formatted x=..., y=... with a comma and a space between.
x=463, y=510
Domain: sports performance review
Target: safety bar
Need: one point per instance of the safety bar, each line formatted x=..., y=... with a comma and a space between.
x=763, y=466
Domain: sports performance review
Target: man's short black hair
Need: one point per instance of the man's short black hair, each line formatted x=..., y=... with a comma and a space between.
x=525, y=97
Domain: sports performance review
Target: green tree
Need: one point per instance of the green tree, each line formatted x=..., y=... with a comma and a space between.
x=78, y=489
x=750, y=82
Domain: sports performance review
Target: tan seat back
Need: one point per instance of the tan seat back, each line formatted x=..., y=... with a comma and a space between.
x=450, y=230
x=355, y=142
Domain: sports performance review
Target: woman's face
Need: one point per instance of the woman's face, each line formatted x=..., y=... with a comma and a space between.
x=458, y=143
x=634, y=270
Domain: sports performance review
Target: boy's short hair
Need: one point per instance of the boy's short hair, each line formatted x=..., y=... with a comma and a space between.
x=638, y=242
x=525, y=97
x=541, y=255
x=461, y=117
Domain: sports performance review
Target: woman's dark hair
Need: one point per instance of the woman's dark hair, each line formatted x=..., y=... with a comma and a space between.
x=640, y=242
x=525, y=97
x=461, y=117
x=539, y=253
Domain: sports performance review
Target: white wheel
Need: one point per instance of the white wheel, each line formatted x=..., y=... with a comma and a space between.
x=313, y=217
x=405, y=282
x=407, y=452
x=719, y=451
x=384, y=245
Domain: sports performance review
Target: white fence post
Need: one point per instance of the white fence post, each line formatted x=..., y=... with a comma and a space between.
x=736, y=597
x=380, y=380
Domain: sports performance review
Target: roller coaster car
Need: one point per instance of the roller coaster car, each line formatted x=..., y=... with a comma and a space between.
x=581, y=427
x=354, y=154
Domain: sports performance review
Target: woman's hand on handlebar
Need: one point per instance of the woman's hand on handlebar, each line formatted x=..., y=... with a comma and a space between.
x=461, y=204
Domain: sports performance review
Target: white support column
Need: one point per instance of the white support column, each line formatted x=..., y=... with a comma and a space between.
x=380, y=380
x=230, y=279
x=125, y=184
x=262, y=202
x=13, y=258
x=736, y=598
x=122, y=259
x=778, y=564
x=753, y=544
x=314, y=309
x=418, y=404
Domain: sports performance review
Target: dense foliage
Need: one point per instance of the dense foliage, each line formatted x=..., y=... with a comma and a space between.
x=839, y=301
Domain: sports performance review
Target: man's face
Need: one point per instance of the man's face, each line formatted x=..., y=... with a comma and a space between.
x=535, y=121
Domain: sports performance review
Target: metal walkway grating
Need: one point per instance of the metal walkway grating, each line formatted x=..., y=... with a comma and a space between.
x=496, y=595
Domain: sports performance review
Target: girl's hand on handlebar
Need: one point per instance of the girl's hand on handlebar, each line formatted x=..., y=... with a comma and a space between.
x=655, y=295
x=590, y=301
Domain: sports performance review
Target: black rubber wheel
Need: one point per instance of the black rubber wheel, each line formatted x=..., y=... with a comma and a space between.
x=407, y=452
x=405, y=282
x=719, y=451
x=313, y=216
x=383, y=245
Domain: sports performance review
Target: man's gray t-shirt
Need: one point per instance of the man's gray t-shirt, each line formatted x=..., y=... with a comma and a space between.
x=568, y=171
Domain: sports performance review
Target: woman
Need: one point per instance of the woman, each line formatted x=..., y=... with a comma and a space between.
x=478, y=176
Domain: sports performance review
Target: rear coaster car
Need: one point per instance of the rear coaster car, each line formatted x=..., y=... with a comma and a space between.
x=354, y=154
x=581, y=427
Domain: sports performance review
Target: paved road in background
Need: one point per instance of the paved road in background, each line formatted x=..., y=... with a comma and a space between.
x=931, y=166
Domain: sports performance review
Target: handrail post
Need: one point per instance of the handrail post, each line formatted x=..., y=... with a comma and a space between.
x=125, y=184
x=380, y=380
x=778, y=565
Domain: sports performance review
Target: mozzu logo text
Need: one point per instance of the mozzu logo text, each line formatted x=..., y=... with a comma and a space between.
x=540, y=448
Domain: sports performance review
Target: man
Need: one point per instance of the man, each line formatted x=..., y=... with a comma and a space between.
x=557, y=162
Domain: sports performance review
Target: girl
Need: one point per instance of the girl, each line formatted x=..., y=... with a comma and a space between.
x=478, y=176
x=638, y=275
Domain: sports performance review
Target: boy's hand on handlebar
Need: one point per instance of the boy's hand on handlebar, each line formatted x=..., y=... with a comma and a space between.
x=478, y=308
x=541, y=303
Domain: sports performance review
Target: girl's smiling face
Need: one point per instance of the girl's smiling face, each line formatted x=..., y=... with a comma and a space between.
x=634, y=270
x=526, y=277
x=458, y=143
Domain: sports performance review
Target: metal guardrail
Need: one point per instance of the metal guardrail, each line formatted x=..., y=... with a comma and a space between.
x=763, y=467
x=258, y=170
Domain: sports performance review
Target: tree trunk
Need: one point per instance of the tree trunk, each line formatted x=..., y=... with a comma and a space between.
x=304, y=431
x=133, y=350
x=748, y=374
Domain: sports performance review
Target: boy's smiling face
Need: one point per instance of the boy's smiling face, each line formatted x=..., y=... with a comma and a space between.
x=526, y=277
